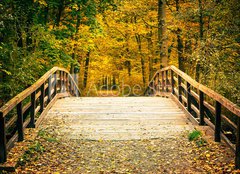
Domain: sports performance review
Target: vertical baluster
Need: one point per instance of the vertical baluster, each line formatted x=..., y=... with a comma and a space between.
x=61, y=80
x=237, y=152
x=68, y=87
x=201, y=107
x=172, y=82
x=64, y=82
x=167, y=80
x=55, y=83
x=179, y=88
x=20, y=122
x=33, y=107
x=154, y=85
x=163, y=83
x=42, y=97
x=3, y=145
x=49, y=88
x=218, y=122
x=158, y=82
x=189, y=102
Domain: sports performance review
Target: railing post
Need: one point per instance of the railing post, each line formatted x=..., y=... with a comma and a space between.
x=55, y=83
x=189, y=102
x=201, y=108
x=20, y=122
x=158, y=82
x=64, y=82
x=61, y=74
x=50, y=88
x=33, y=107
x=172, y=82
x=42, y=97
x=237, y=151
x=3, y=146
x=68, y=84
x=179, y=88
x=163, y=83
x=166, y=80
x=218, y=122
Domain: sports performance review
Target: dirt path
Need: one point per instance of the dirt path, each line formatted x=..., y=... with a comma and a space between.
x=51, y=154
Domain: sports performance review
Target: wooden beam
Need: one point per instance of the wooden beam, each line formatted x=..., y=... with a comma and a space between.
x=3, y=145
x=218, y=122
x=201, y=108
x=237, y=151
x=20, y=122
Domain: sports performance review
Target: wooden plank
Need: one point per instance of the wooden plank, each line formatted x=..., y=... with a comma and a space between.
x=37, y=109
x=38, y=95
x=20, y=122
x=26, y=107
x=3, y=145
x=42, y=97
x=237, y=151
x=33, y=106
x=195, y=95
x=201, y=108
x=179, y=88
x=175, y=78
x=11, y=121
x=218, y=122
x=195, y=109
x=184, y=86
x=189, y=102
x=172, y=82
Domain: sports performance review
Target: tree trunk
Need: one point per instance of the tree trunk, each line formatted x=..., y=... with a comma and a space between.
x=162, y=33
x=180, y=51
x=179, y=43
x=138, y=38
x=86, y=69
x=201, y=23
x=75, y=45
x=150, y=49
x=60, y=11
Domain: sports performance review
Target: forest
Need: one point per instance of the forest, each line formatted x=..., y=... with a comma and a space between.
x=116, y=42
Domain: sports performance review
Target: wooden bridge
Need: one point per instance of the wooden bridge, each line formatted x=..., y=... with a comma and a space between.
x=182, y=102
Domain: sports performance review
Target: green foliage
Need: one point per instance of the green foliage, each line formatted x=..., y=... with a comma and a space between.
x=194, y=135
x=35, y=150
x=42, y=133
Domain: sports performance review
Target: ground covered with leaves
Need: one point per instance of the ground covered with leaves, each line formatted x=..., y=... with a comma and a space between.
x=50, y=153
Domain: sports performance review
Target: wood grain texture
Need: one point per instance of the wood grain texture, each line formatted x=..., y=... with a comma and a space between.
x=116, y=118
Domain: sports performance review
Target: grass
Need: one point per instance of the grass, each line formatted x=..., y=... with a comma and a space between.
x=197, y=137
x=32, y=153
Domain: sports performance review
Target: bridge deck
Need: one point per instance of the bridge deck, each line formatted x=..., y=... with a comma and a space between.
x=116, y=118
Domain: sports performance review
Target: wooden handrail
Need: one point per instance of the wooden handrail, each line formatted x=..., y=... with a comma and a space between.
x=45, y=91
x=209, y=92
x=182, y=87
x=21, y=96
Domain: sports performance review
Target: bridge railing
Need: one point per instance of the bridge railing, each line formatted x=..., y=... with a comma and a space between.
x=28, y=108
x=204, y=105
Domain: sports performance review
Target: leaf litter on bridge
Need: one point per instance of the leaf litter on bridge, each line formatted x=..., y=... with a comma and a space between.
x=51, y=153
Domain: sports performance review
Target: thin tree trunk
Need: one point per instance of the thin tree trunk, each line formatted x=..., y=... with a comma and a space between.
x=201, y=23
x=162, y=33
x=60, y=11
x=138, y=38
x=86, y=69
x=150, y=49
x=75, y=45
x=179, y=43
